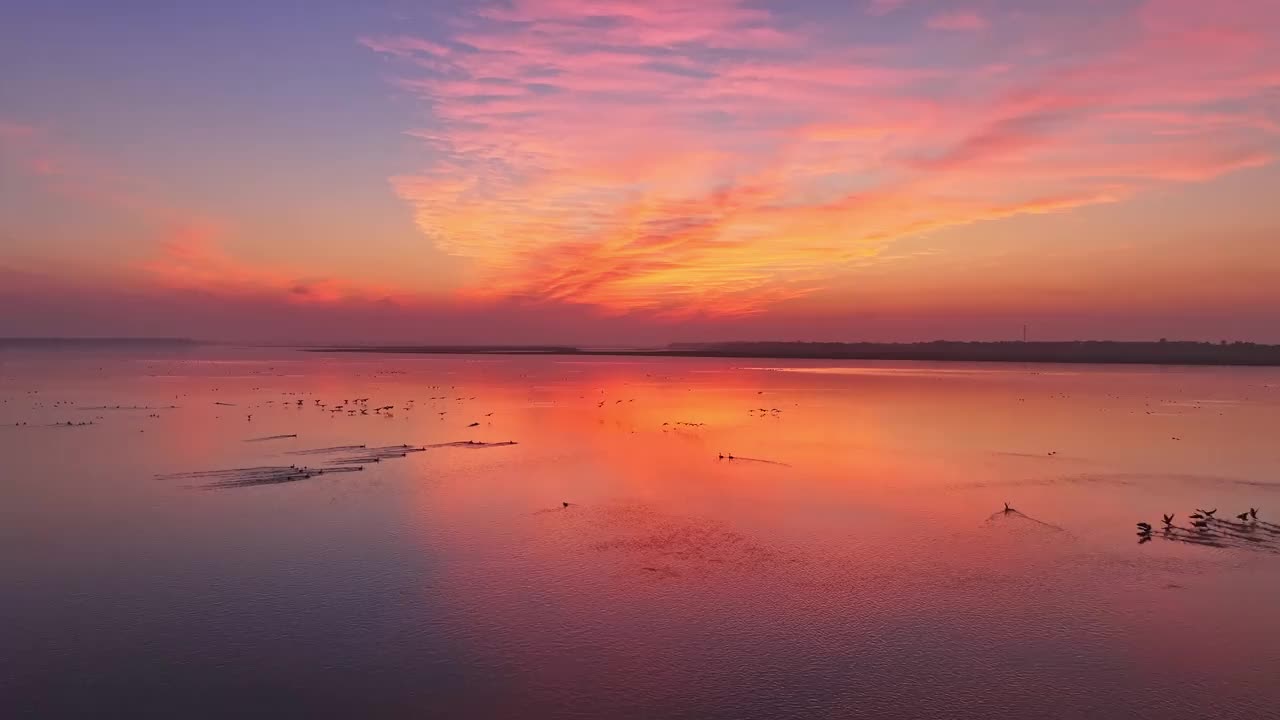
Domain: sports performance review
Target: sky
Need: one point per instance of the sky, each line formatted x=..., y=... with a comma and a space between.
x=640, y=171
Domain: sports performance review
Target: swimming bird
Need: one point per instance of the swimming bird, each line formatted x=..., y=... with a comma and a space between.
x=1202, y=524
x=1243, y=516
x=1008, y=509
x=1168, y=520
x=1144, y=527
x=565, y=504
x=1253, y=513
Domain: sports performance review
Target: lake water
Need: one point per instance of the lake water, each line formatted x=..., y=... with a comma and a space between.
x=851, y=561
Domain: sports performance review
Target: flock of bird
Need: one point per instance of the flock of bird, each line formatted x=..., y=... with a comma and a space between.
x=1207, y=530
x=337, y=459
x=1246, y=531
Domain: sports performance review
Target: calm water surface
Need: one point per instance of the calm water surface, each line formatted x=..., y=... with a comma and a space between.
x=847, y=563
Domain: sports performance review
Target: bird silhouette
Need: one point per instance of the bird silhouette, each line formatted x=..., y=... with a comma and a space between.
x=1168, y=520
x=1243, y=516
x=1253, y=513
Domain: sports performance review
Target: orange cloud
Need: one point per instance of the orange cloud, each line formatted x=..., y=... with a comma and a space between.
x=715, y=158
x=11, y=132
x=190, y=258
x=188, y=254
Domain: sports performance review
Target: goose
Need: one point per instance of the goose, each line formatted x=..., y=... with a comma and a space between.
x=1253, y=513
x=1243, y=516
x=565, y=504
x=1168, y=520
x=1007, y=508
x=1208, y=514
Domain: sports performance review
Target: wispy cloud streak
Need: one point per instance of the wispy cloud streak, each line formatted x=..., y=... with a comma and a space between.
x=713, y=157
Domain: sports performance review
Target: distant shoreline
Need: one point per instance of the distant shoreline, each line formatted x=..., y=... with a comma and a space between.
x=27, y=342
x=1081, y=352
x=1094, y=352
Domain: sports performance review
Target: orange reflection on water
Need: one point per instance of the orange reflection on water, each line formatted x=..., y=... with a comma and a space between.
x=852, y=551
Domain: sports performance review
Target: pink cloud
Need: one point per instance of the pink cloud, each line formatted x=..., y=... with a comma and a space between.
x=15, y=132
x=1183, y=122
x=957, y=20
x=404, y=46
x=884, y=7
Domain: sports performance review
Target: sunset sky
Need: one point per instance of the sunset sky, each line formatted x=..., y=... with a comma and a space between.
x=641, y=171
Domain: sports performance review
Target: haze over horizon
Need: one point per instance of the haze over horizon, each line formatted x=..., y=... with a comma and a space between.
x=641, y=171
